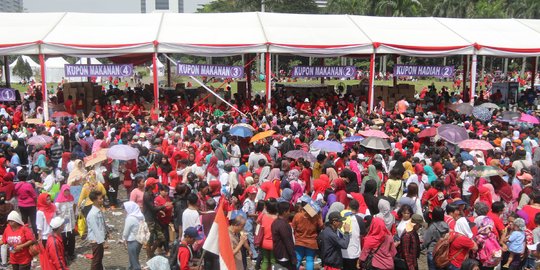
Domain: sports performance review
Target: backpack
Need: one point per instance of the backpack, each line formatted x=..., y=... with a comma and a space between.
x=143, y=233
x=490, y=254
x=441, y=250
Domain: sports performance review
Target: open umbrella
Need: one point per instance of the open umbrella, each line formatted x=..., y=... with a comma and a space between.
x=486, y=171
x=123, y=152
x=241, y=131
x=510, y=116
x=452, y=133
x=327, y=146
x=244, y=125
x=96, y=157
x=527, y=118
x=262, y=135
x=61, y=114
x=296, y=154
x=374, y=133
x=462, y=108
x=475, y=145
x=40, y=140
x=489, y=105
x=353, y=139
x=482, y=113
x=428, y=132
x=375, y=143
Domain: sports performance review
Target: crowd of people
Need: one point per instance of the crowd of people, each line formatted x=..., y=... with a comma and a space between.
x=358, y=208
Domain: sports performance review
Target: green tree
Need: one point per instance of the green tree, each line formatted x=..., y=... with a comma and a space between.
x=399, y=8
x=292, y=6
x=281, y=6
x=22, y=69
x=353, y=7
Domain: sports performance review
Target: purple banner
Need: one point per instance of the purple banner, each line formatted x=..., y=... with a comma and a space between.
x=424, y=71
x=324, y=71
x=218, y=71
x=7, y=94
x=124, y=70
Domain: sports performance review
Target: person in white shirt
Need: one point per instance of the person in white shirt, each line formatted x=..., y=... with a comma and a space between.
x=190, y=216
x=352, y=252
x=254, y=157
x=235, y=153
x=468, y=181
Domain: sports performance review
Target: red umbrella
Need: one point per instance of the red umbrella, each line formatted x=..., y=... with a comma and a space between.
x=374, y=133
x=475, y=145
x=61, y=114
x=428, y=132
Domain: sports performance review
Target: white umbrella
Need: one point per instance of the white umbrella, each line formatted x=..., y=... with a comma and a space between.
x=123, y=152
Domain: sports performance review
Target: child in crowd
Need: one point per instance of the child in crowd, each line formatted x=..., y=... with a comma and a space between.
x=515, y=241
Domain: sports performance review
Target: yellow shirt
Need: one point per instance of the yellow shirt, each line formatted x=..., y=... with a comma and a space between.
x=87, y=188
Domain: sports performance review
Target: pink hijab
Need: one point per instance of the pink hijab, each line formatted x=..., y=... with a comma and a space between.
x=63, y=198
x=353, y=164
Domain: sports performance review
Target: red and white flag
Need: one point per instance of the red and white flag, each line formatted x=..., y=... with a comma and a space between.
x=218, y=240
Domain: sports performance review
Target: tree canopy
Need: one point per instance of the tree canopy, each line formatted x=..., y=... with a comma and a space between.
x=527, y=9
x=23, y=69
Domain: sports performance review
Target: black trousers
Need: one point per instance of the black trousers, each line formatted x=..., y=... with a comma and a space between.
x=69, y=244
x=211, y=261
x=21, y=266
x=350, y=263
x=97, y=260
x=114, y=183
x=28, y=215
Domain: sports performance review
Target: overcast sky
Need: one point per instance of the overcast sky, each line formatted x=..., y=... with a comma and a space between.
x=100, y=6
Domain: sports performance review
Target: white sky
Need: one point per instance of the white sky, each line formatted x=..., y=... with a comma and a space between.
x=90, y=6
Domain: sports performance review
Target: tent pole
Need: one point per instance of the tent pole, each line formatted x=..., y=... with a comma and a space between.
x=44, y=88
x=247, y=71
x=371, y=82
x=466, y=96
x=169, y=73
x=156, y=86
x=268, y=80
x=322, y=64
x=395, y=78
x=473, y=77
x=7, y=71
x=88, y=62
x=534, y=69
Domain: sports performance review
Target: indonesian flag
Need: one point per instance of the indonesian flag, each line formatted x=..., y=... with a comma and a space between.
x=219, y=242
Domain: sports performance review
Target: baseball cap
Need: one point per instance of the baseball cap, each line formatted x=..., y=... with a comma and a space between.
x=525, y=176
x=193, y=233
x=151, y=181
x=335, y=216
x=417, y=219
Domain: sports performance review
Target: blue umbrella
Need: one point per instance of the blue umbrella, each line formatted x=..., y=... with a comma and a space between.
x=353, y=139
x=241, y=131
x=327, y=146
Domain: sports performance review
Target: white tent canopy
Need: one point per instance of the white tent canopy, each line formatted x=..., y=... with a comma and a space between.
x=54, y=69
x=238, y=33
x=160, y=66
x=33, y=65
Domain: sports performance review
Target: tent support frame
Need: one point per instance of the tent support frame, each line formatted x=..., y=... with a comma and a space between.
x=371, y=90
x=44, y=88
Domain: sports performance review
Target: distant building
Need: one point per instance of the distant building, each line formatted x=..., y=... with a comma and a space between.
x=321, y=3
x=175, y=6
x=11, y=5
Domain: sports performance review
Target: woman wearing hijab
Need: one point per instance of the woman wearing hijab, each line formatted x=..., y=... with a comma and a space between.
x=76, y=180
x=408, y=170
x=19, y=238
x=450, y=180
x=212, y=171
x=297, y=192
x=355, y=167
x=330, y=199
x=484, y=195
x=430, y=174
x=46, y=210
x=219, y=151
x=339, y=190
x=332, y=174
x=65, y=205
x=369, y=197
x=334, y=207
x=351, y=181
x=372, y=175
x=319, y=187
x=385, y=213
x=419, y=178
x=461, y=243
x=131, y=227
x=270, y=190
x=91, y=184
x=380, y=244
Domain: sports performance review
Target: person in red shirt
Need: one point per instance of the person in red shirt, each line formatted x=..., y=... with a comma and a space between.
x=79, y=104
x=19, y=238
x=434, y=196
x=495, y=215
x=184, y=250
x=305, y=108
x=69, y=105
x=460, y=243
x=55, y=245
x=532, y=210
x=164, y=216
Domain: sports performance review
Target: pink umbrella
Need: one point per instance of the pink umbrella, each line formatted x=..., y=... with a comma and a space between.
x=475, y=145
x=527, y=118
x=374, y=133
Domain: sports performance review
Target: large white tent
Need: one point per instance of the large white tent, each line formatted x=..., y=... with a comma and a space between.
x=54, y=69
x=253, y=32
